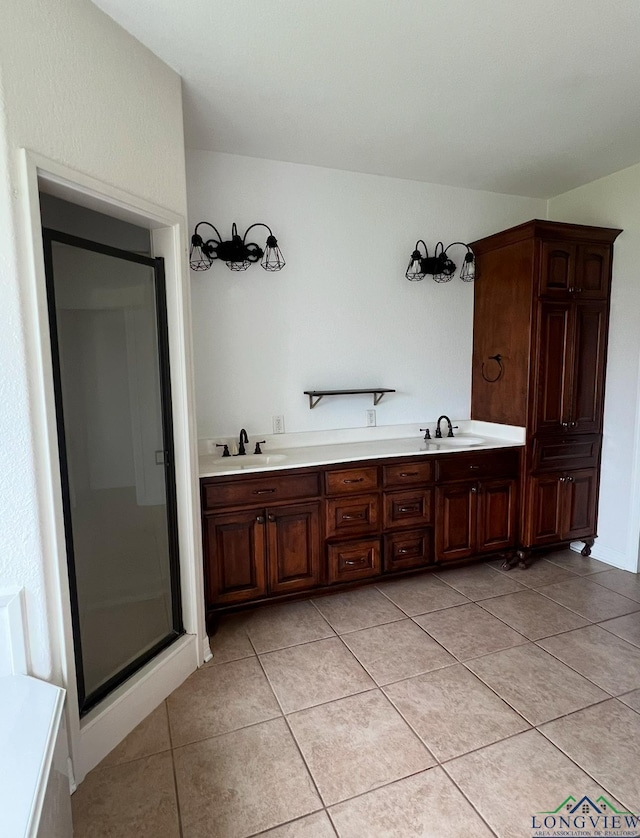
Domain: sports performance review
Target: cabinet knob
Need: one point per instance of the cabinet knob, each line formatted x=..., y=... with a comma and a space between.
x=565, y=425
x=569, y=479
x=578, y=290
x=272, y=517
x=573, y=424
x=474, y=490
x=562, y=479
x=260, y=519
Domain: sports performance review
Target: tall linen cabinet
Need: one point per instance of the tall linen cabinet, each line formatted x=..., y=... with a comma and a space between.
x=541, y=319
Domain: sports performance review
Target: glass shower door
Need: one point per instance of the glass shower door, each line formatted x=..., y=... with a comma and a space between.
x=107, y=312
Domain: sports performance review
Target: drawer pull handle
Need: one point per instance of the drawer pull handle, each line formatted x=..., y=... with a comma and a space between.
x=414, y=508
x=404, y=550
x=356, y=517
x=263, y=491
x=354, y=480
x=352, y=562
x=473, y=468
x=408, y=474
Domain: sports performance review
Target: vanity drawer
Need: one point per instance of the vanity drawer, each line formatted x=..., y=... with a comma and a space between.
x=352, y=515
x=258, y=490
x=404, y=550
x=579, y=451
x=413, y=508
x=353, y=560
x=407, y=474
x=351, y=480
x=496, y=463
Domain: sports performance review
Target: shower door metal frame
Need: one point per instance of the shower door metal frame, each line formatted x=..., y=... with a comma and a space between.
x=87, y=702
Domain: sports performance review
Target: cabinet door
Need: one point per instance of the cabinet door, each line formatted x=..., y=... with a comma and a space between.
x=557, y=269
x=293, y=536
x=581, y=497
x=593, y=272
x=553, y=384
x=545, y=519
x=455, y=521
x=587, y=380
x=235, y=556
x=496, y=515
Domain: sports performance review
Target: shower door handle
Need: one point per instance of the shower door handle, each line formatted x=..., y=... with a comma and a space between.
x=162, y=458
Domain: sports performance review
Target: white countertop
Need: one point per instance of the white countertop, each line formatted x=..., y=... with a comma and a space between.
x=474, y=436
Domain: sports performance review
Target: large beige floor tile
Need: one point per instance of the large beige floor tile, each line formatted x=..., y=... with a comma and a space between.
x=533, y=615
x=230, y=642
x=357, y=610
x=534, y=683
x=453, y=712
x=625, y=583
x=396, y=650
x=289, y=624
x=632, y=700
x=511, y=781
x=590, y=600
x=317, y=825
x=136, y=798
x=357, y=744
x=421, y=594
x=605, y=741
x=480, y=581
x=425, y=806
x=541, y=572
x=221, y=698
x=243, y=782
x=151, y=736
x=607, y=660
x=582, y=565
x=628, y=627
x=468, y=631
x=303, y=676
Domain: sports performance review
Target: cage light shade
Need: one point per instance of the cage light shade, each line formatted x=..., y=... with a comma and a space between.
x=415, y=271
x=199, y=260
x=273, y=260
x=468, y=269
x=239, y=265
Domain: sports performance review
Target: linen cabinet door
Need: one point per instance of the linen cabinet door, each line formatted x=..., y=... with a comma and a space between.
x=553, y=372
x=589, y=356
x=235, y=556
x=581, y=499
x=545, y=519
x=593, y=272
x=293, y=537
x=557, y=269
x=497, y=511
x=455, y=521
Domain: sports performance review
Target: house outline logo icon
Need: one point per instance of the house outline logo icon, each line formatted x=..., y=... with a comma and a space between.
x=584, y=817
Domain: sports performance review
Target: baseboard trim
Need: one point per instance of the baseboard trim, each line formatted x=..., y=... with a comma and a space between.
x=605, y=554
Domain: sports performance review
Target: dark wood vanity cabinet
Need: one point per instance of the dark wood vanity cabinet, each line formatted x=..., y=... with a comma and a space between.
x=269, y=535
x=542, y=305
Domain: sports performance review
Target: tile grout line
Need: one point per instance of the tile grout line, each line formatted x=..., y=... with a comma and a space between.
x=173, y=767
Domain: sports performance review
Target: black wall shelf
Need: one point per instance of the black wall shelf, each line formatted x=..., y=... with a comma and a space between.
x=316, y=395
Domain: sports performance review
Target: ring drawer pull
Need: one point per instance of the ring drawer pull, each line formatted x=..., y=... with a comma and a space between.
x=263, y=491
x=408, y=474
x=357, y=517
x=354, y=480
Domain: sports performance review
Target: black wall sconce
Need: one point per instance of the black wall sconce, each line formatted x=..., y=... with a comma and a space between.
x=439, y=265
x=237, y=252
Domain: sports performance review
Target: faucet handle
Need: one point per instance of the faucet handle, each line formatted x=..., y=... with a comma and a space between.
x=427, y=433
x=451, y=428
x=225, y=453
x=257, y=449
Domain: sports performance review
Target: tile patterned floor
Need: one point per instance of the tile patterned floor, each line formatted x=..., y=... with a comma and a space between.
x=448, y=705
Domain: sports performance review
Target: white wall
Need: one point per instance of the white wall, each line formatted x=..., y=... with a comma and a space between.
x=77, y=89
x=614, y=201
x=340, y=314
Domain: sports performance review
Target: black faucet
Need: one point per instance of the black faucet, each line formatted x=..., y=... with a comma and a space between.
x=439, y=432
x=244, y=438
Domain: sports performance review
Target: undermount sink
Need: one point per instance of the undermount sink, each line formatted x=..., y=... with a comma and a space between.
x=252, y=460
x=460, y=441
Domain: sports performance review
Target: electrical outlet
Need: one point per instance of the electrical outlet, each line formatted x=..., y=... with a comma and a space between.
x=278, y=424
x=371, y=418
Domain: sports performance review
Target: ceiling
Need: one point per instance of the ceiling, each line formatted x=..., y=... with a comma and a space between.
x=530, y=97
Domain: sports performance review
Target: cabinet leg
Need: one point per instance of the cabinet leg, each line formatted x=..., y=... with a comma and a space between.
x=524, y=559
x=588, y=544
x=509, y=561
